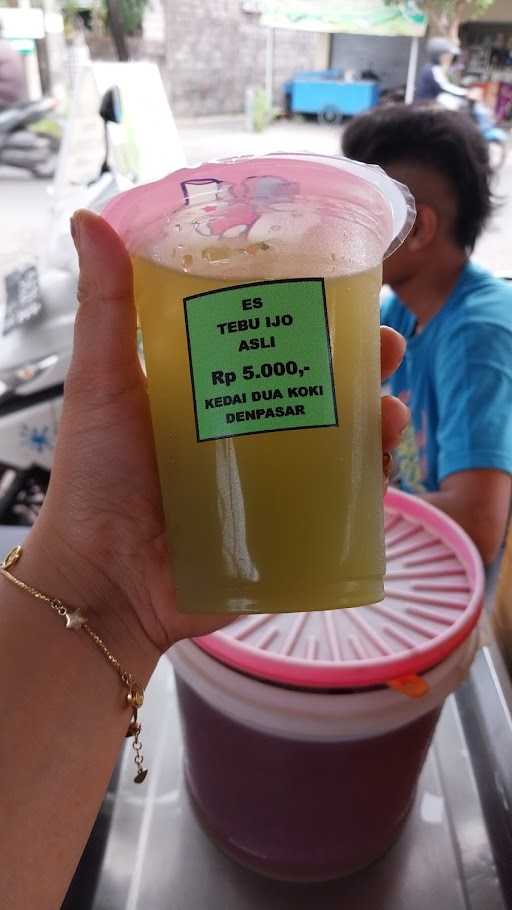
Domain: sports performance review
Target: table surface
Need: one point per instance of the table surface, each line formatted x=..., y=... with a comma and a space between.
x=455, y=853
x=147, y=851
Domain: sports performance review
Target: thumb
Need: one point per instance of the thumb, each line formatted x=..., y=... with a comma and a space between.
x=104, y=350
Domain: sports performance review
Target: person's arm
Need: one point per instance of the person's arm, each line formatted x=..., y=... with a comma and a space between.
x=473, y=369
x=444, y=83
x=63, y=723
x=479, y=501
x=98, y=545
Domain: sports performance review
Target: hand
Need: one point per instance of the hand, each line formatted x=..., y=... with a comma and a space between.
x=101, y=531
x=395, y=414
x=475, y=93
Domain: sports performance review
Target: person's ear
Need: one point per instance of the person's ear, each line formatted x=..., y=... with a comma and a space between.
x=424, y=229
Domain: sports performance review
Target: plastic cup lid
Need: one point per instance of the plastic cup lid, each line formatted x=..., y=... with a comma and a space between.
x=222, y=197
x=434, y=594
x=398, y=196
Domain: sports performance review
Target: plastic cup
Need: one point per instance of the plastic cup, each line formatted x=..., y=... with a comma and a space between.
x=257, y=284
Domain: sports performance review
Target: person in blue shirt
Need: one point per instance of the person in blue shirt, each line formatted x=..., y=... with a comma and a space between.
x=456, y=376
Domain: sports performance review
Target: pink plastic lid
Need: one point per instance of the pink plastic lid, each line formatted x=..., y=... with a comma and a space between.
x=227, y=199
x=434, y=595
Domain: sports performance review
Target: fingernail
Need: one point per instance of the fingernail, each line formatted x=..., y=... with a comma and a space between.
x=74, y=225
x=387, y=461
x=407, y=418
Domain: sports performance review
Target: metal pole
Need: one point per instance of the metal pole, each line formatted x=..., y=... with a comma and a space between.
x=411, y=71
x=269, y=68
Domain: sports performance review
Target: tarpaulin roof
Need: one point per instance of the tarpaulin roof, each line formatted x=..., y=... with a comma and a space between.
x=357, y=17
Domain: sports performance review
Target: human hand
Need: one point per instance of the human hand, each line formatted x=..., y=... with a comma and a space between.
x=101, y=530
x=475, y=93
x=395, y=414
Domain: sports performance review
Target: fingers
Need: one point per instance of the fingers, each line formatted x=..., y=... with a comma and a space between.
x=387, y=467
x=395, y=414
x=104, y=352
x=395, y=417
x=392, y=349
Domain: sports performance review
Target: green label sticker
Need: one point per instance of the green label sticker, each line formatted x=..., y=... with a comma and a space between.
x=260, y=358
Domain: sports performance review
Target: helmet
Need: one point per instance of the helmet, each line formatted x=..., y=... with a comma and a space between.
x=436, y=47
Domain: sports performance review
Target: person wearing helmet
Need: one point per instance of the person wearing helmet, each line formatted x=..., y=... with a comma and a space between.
x=433, y=80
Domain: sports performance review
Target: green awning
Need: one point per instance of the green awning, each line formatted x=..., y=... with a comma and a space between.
x=356, y=17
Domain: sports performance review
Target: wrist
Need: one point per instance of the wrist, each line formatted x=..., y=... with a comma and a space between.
x=51, y=567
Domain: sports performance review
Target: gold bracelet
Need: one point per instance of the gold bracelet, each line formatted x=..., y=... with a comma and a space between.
x=76, y=620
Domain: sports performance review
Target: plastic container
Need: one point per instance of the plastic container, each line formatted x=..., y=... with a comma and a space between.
x=257, y=283
x=305, y=735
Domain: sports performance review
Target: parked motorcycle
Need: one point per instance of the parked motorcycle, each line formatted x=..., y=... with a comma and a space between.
x=23, y=148
x=36, y=336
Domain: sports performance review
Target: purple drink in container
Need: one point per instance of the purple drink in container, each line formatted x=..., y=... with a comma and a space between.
x=305, y=733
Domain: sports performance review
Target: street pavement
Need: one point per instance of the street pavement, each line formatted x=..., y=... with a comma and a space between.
x=222, y=137
x=25, y=202
x=494, y=249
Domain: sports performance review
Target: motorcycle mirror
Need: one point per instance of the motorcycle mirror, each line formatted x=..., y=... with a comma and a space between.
x=110, y=112
x=110, y=107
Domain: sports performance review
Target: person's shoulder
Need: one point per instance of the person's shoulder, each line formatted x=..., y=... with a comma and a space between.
x=393, y=313
x=482, y=299
x=477, y=324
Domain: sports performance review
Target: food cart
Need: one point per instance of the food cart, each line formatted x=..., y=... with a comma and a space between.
x=355, y=17
x=330, y=95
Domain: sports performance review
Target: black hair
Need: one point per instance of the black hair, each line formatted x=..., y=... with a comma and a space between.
x=445, y=141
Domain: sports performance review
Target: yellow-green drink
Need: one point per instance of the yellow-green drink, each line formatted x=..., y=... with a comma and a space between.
x=259, y=311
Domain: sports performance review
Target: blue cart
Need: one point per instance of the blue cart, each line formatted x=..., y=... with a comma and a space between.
x=329, y=96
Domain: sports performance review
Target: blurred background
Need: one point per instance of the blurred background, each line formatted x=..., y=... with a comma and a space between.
x=96, y=95
x=99, y=95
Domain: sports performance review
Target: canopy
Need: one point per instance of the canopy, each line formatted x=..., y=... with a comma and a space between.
x=356, y=17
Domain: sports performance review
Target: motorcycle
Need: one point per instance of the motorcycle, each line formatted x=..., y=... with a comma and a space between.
x=36, y=336
x=22, y=147
x=495, y=136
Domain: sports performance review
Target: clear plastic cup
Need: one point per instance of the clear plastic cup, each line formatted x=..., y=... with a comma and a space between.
x=257, y=285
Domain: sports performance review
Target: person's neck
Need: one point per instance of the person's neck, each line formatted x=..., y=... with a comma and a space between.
x=426, y=292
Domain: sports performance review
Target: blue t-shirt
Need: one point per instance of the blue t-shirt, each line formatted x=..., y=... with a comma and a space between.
x=456, y=377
